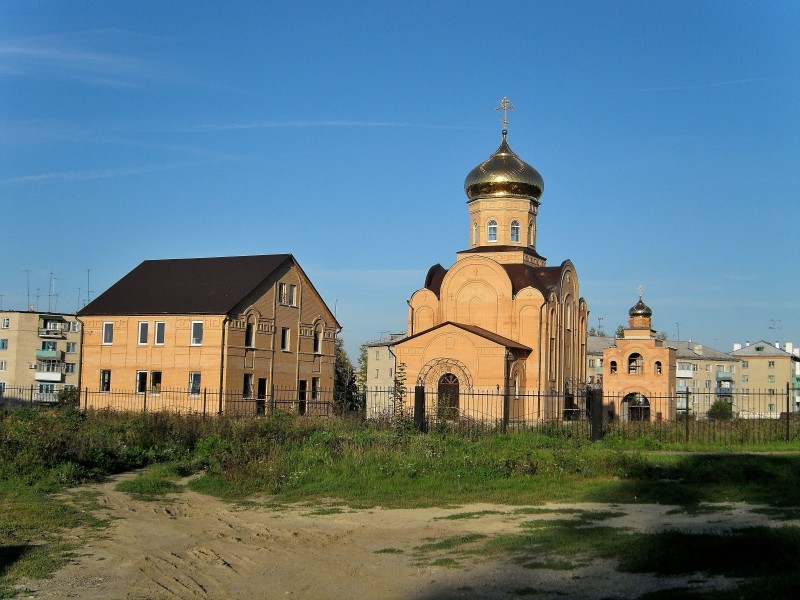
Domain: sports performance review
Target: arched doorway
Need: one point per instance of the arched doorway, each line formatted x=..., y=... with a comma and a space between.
x=636, y=406
x=447, y=397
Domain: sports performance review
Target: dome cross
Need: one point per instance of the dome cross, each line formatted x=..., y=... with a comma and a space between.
x=505, y=106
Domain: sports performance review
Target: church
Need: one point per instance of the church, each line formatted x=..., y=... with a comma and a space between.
x=500, y=331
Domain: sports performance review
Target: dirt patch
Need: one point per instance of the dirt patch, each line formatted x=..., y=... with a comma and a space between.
x=191, y=546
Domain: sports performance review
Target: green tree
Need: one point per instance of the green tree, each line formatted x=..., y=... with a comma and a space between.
x=662, y=335
x=399, y=391
x=345, y=390
x=721, y=410
x=67, y=396
x=620, y=332
x=361, y=378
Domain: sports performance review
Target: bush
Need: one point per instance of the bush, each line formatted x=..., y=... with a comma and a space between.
x=721, y=410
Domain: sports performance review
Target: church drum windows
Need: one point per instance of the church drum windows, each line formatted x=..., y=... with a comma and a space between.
x=491, y=231
x=515, y=232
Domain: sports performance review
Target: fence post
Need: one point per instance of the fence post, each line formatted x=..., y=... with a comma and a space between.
x=686, y=415
x=204, y=402
x=220, y=400
x=419, y=408
x=30, y=397
x=788, y=414
x=145, y=399
x=595, y=400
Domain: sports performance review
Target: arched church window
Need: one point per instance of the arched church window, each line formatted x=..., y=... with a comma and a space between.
x=474, y=234
x=491, y=232
x=249, y=333
x=515, y=231
x=658, y=367
x=318, y=338
x=531, y=233
x=635, y=364
x=612, y=367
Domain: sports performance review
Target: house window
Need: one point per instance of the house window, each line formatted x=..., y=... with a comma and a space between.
x=247, y=386
x=249, y=333
x=160, y=330
x=515, y=231
x=143, y=326
x=770, y=364
x=197, y=333
x=491, y=231
x=108, y=333
x=315, y=388
x=194, y=383
x=69, y=368
x=285, y=338
x=141, y=382
x=72, y=347
x=759, y=348
x=6, y=323
x=292, y=295
x=287, y=294
x=155, y=382
x=318, y=338
x=105, y=380
x=282, y=293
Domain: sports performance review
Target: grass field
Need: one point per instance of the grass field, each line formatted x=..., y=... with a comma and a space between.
x=42, y=453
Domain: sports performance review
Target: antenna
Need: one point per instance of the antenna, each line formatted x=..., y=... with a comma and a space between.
x=88, y=287
x=775, y=327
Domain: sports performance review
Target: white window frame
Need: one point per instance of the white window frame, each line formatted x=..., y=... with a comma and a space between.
x=72, y=347
x=144, y=332
x=159, y=333
x=141, y=382
x=6, y=323
x=2, y=365
x=74, y=326
x=69, y=368
x=491, y=231
x=194, y=340
x=3, y=343
x=108, y=333
x=515, y=227
x=195, y=379
x=292, y=299
x=286, y=339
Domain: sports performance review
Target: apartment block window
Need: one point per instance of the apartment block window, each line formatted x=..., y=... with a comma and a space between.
x=745, y=378
x=108, y=333
x=69, y=368
x=143, y=327
x=771, y=407
x=708, y=384
x=733, y=368
x=376, y=374
x=160, y=330
x=770, y=364
x=377, y=354
x=72, y=347
x=141, y=382
x=197, y=333
x=746, y=391
x=491, y=231
x=194, y=383
x=49, y=346
x=6, y=323
x=285, y=339
x=74, y=326
x=105, y=380
x=3, y=344
x=515, y=231
x=155, y=382
x=2, y=365
x=708, y=368
x=745, y=364
x=770, y=378
x=591, y=363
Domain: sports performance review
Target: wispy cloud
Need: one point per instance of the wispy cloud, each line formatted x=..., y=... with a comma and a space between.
x=316, y=123
x=701, y=86
x=80, y=56
x=99, y=174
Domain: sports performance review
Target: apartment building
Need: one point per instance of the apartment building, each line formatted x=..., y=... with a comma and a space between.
x=40, y=354
x=767, y=372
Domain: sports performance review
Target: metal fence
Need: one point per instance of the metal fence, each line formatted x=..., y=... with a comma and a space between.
x=736, y=418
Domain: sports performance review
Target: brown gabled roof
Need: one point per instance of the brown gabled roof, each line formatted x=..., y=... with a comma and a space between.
x=186, y=285
x=479, y=331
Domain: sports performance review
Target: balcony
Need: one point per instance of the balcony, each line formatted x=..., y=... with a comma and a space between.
x=724, y=376
x=52, y=333
x=723, y=391
x=684, y=373
x=50, y=355
x=49, y=376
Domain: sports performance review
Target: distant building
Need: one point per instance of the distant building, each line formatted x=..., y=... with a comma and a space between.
x=595, y=345
x=639, y=372
x=40, y=354
x=499, y=320
x=767, y=373
x=706, y=374
x=380, y=374
x=245, y=325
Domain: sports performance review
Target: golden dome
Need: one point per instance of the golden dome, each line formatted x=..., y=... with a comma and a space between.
x=640, y=309
x=504, y=174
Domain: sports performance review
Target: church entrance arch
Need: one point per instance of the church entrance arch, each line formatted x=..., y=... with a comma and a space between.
x=447, y=397
x=636, y=406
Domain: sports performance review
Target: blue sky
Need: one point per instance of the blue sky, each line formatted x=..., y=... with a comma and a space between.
x=667, y=134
